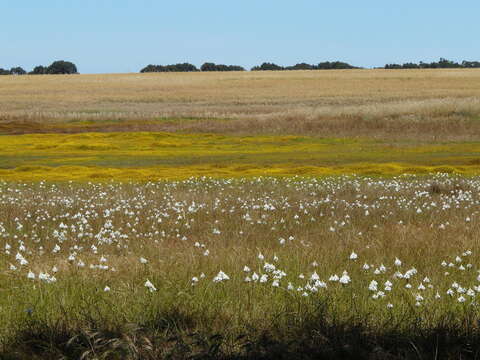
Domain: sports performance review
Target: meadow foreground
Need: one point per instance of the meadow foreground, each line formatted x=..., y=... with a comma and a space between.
x=245, y=268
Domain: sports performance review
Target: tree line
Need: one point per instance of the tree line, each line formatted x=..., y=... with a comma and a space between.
x=327, y=65
x=209, y=66
x=57, y=67
x=186, y=67
x=441, y=64
x=67, y=67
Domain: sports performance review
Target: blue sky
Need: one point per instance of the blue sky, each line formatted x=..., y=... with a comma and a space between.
x=125, y=35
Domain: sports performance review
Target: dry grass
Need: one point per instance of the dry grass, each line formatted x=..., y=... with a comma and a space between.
x=416, y=104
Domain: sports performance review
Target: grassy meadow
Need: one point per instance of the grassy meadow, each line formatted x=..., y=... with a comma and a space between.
x=256, y=215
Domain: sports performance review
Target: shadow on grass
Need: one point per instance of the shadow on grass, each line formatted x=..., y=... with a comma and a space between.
x=175, y=335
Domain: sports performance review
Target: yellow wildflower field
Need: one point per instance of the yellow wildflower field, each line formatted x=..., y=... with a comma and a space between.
x=156, y=155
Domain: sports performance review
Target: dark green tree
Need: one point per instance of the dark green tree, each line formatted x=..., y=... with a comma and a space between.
x=185, y=67
x=17, y=71
x=267, y=66
x=62, y=67
x=208, y=66
x=39, y=70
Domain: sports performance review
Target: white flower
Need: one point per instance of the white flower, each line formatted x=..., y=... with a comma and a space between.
x=334, y=278
x=398, y=274
x=344, y=279
x=150, y=286
x=31, y=275
x=389, y=306
x=221, y=276
x=264, y=278
x=143, y=260
x=275, y=283
x=373, y=285
x=255, y=276
x=246, y=268
x=366, y=266
x=261, y=257
x=353, y=256
x=106, y=289
x=268, y=267
x=43, y=276
x=461, y=299
x=398, y=262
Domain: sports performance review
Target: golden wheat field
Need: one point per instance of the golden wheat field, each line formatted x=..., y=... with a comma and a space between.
x=242, y=215
x=419, y=104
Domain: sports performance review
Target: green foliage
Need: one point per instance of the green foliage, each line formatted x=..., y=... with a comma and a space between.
x=57, y=67
x=208, y=66
x=441, y=64
x=267, y=66
x=62, y=67
x=39, y=70
x=185, y=67
x=470, y=64
x=327, y=65
x=17, y=71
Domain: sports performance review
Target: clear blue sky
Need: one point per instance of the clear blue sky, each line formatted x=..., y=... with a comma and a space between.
x=125, y=35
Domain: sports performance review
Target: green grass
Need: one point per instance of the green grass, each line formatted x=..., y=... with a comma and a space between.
x=74, y=316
